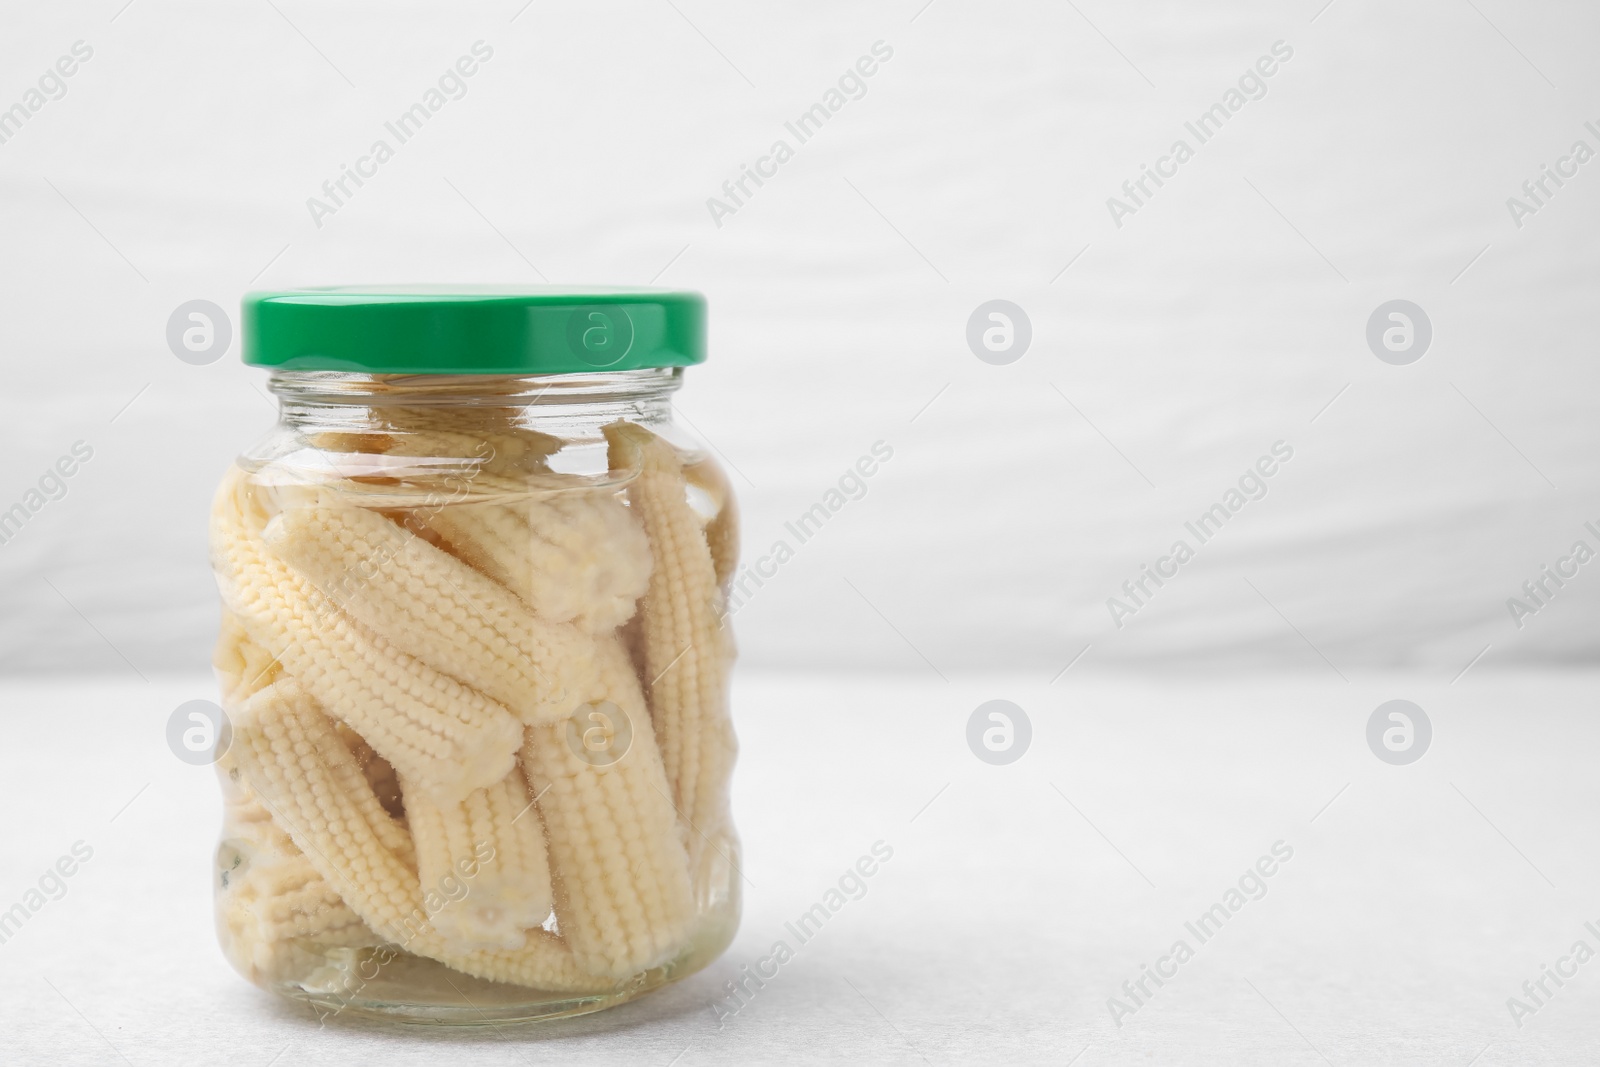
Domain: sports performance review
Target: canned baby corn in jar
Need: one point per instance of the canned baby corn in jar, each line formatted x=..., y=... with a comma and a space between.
x=473, y=656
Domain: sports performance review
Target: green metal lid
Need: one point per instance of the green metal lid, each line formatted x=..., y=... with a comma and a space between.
x=473, y=329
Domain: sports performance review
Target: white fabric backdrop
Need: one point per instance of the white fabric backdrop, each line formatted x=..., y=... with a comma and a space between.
x=1222, y=317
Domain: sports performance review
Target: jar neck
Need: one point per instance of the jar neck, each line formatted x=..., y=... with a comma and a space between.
x=565, y=405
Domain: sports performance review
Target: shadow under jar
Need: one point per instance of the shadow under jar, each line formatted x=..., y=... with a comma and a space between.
x=474, y=657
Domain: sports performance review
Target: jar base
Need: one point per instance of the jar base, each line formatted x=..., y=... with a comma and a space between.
x=470, y=1010
x=412, y=990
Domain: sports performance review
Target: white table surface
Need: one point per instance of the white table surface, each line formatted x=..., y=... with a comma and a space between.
x=1015, y=904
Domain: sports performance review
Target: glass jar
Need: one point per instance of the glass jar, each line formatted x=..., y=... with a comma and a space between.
x=473, y=657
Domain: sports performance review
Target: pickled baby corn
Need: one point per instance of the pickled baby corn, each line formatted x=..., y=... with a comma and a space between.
x=684, y=649
x=623, y=898
x=444, y=736
x=430, y=605
x=243, y=667
x=278, y=912
x=286, y=750
x=495, y=833
x=404, y=683
x=573, y=555
x=722, y=532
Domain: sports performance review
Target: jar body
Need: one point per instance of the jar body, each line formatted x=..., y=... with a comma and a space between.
x=474, y=661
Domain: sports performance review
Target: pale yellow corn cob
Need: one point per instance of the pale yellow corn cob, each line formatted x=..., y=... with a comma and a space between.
x=295, y=902
x=447, y=738
x=288, y=752
x=245, y=806
x=494, y=457
x=686, y=651
x=246, y=818
x=574, y=555
x=370, y=442
x=243, y=667
x=494, y=539
x=545, y=962
x=261, y=936
x=501, y=450
x=496, y=831
x=571, y=554
x=276, y=914
x=246, y=669
x=476, y=423
x=432, y=606
x=450, y=465
x=623, y=897
x=271, y=899
x=722, y=532
x=479, y=420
